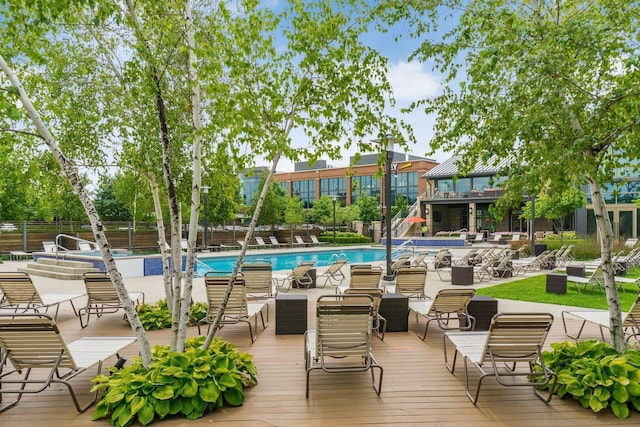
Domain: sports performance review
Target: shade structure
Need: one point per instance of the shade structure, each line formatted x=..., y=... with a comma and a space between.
x=415, y=219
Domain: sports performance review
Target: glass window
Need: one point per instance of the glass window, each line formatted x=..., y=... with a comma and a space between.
x=368, y=184
x=405, y=184
x=628, y=192
x=334, y=187
x=444, y=185
x=481, y=183
x=305, y=190
x=463, y=187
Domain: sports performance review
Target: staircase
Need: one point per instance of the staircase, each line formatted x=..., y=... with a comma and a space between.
x=58, y=269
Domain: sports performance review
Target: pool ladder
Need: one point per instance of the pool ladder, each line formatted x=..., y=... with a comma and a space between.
x=336, y=256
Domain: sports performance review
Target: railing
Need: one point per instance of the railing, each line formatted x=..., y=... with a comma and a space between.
x=76, y=239
x=207, y=267
x=337, y=256
x=400, y=229
x=402, y=248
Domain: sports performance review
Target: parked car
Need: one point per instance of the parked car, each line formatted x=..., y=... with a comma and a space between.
x=6, y=226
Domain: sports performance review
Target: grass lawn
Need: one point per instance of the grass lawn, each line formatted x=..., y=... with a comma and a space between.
x=533, y=289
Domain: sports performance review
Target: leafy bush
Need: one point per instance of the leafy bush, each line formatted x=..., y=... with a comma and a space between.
x=596, y=375
x=190, y=384
x=344, y=237
x=157, y=316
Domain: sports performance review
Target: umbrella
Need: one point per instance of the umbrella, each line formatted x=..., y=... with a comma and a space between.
x=415, y=219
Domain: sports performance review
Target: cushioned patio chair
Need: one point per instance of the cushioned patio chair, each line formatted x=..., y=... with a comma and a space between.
x=512, y=338
x=20, y=295
x=102, y=297
x=333, y=275
x=298, y=277
x=238, y=308
x=34, y=342
x=630, y=321
x=448, y=308
x=258, y=280
x=341, y=341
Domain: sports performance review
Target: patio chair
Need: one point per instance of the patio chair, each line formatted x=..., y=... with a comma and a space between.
x=333, y=275
x=276, y=244
x=238, y=308
x=300, y=242
x=447, y=306
x=442, y=259
x=341, y=341
x=401, y=261
x=595, y=279
x=363, y=276
x=379, y=322
x=298, y=277
x=467, y=259
x=258, y=280
x=34, y=342
x=20, y=295
x=630, y=321
x=249, y=245
x=85, y=246
x=512, y=338
x=102, y=297
x=410, y=281
x=50, y=247
x=479, y=238
x=261, y=243
x=315, y=241
x=420, y=259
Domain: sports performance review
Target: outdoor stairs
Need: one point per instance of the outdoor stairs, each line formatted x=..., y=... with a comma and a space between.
x=58, y=269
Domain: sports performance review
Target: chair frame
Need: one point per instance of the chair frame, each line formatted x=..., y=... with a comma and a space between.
x=33, y=341
x=379, y=322
x=411, y=281
x=299, y=275
x=333, y=274
x=600, y=318
x=102, y=297
x=343, y=332
x=512, y=338
x=238, y=308
x=447, y=305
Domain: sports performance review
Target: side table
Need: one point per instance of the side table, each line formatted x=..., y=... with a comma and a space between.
x=291, y=314
x=556, y=283
x=483, y=308
x=395, y=309
x=462, y=275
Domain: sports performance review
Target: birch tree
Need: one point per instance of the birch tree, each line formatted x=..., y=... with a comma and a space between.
x=552, y=84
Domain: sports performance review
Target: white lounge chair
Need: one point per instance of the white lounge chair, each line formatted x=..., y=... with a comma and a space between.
x=630, y=321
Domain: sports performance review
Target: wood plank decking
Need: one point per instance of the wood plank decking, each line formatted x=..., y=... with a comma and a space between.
x=417, y=389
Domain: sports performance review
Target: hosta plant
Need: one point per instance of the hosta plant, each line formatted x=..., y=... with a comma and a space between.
x=596, y=375
x=187, y=384
x=157, y=316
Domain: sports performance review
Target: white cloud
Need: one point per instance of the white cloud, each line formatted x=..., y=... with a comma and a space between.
x=411, y=82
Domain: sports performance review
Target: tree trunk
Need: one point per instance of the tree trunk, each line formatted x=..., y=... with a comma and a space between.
x=605, y=235
x=71, y=173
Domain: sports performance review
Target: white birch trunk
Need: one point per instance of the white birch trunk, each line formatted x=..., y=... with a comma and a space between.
x=71, y=173
x=605, y=236
x=185, y=306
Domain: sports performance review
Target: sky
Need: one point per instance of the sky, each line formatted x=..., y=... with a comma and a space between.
x=411, y=81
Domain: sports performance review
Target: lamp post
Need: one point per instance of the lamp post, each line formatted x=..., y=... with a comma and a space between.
x=533, y=225
x=389, y=144
x=205, y=190
x=334, y=199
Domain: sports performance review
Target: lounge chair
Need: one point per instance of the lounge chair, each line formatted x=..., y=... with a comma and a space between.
x=512, y=338
x=315, y=241
x=363, y=276
x=595, y=279
x=85, y=246
x=20, y=295
x=467, y=259
x=341, y=341
x=102, y=297
x=19, y=255
x=300, y=242
x=238, y=308
x=379, y=322
x=50, y=247
x=249, y=246
x=420, y=259
x=410, y=281
x=258, y=280
x=447, y=306
x=401, y=261
x=261, y=243
x=298, y=277
x=630, y=243
x=33, y=342
x=276, y=244
x=630, y=321
x=479, y=238
x=333, y=275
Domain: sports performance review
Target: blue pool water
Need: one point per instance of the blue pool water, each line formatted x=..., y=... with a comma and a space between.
x=288, y=260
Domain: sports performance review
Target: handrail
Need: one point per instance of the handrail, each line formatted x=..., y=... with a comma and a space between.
x=77, y=239
x=206, y=266
x=403, y=245
x=338, y=256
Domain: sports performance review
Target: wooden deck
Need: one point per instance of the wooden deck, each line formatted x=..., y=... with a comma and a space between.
x=417, y=389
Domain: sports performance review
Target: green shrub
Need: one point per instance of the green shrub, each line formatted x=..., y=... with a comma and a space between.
x=157, y=316
x=596, y=375
x=583, y=249
x=190, y=384
x=344, y=237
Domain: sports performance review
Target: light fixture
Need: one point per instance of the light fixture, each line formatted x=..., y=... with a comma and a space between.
x=470, y=210
x=426, y=211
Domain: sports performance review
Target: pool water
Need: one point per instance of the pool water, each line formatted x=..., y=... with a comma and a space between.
x=289, y=260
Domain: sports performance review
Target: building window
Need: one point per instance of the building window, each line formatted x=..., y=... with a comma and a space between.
x=334, y=187
x=305, y=190
x=405, y=184
x=368, y=185
x=463, y=187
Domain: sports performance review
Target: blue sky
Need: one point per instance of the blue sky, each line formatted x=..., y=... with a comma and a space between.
x=411, y=81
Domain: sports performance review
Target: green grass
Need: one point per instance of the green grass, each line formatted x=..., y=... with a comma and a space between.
x=533, y=289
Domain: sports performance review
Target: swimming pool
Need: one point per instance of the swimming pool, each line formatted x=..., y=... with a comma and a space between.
x=288, y=260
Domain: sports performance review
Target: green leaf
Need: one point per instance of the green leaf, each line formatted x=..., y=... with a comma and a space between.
x=234, y=396
x=146, y=414
x=209, y=392
x=620, y=410
x=163, y=392
x=620, y=393
x=596, y=404
x=137, y=403
x=189, y=388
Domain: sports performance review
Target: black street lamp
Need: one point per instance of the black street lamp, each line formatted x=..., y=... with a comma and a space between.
x=205, y=190
x=334, y=199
